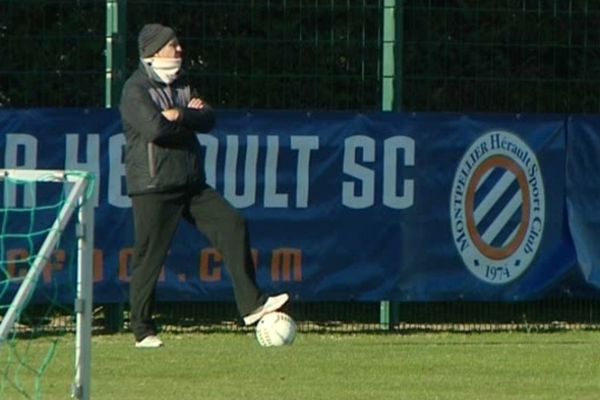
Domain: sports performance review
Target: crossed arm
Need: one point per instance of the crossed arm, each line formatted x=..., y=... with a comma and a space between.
x=173, y=114
x=197, y=115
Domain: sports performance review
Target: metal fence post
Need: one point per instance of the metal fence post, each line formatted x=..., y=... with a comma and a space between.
x=391, y=99
x=116, y=18
x=116, y=27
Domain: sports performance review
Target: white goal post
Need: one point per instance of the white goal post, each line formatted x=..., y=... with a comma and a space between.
x=81, y=183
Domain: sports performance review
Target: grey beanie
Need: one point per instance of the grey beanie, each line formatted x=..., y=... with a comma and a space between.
x=152, y=38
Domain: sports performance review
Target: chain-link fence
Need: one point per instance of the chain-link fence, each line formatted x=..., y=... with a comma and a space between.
x=490, y=55
x=466, y=56
x=502, y=56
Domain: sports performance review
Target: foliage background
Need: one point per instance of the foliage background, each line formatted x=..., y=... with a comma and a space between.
x=452, y=55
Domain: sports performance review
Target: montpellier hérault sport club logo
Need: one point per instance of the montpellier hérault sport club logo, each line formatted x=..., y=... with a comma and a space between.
x=497, y=207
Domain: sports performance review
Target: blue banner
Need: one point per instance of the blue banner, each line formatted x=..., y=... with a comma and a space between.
x=355, y=207
x=583, y=196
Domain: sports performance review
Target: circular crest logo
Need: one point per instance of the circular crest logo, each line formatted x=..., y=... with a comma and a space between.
x=497, y=207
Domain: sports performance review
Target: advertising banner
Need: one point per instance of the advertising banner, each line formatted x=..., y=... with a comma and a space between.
x=347, y=206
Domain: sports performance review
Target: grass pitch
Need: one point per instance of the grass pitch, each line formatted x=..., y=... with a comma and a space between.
x=219, y=366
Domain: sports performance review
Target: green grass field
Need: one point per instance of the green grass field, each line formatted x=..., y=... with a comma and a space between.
x=561, y=365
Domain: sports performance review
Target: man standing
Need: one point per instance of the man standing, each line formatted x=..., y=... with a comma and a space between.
x=166, y=181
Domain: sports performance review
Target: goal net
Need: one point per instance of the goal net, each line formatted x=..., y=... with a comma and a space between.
x=46, y=248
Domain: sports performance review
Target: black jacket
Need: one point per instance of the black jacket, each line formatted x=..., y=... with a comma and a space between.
x=161, y=155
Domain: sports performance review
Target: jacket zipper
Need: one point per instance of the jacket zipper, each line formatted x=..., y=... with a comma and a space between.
x=151, y=160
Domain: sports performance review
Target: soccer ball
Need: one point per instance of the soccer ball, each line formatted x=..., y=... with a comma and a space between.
x=276, y=329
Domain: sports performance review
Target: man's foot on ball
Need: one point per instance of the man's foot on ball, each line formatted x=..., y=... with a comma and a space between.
x=273, y=303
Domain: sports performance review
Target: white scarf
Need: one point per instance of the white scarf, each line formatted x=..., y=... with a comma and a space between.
x=167, y=69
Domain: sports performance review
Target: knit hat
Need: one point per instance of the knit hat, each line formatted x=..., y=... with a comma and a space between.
x=152, y=38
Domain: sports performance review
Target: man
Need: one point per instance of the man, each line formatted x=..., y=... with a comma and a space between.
x=166, y=181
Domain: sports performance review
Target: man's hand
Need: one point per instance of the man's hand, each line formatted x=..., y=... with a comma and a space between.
x=172, y=114
x=196, y=103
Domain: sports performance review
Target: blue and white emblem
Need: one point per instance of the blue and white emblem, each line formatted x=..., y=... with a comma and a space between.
x=497, y=207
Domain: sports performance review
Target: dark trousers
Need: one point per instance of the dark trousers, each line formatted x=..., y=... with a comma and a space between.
x=156, y=216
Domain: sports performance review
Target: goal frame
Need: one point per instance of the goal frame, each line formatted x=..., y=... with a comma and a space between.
x=76, y=202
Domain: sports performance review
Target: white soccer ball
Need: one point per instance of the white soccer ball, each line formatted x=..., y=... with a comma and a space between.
x=276, y=329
